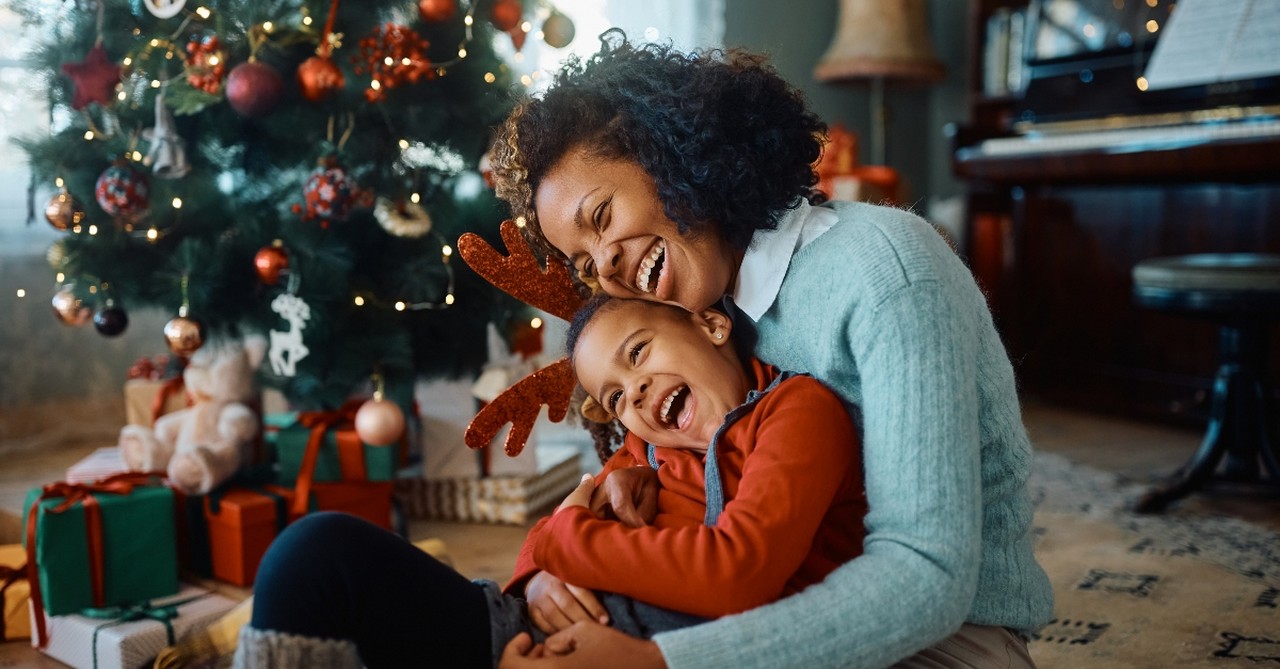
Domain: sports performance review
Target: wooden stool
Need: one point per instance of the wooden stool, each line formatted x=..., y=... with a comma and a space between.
x=1241, y=293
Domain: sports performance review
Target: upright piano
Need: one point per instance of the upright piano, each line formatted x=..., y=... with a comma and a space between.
x=1090, y=168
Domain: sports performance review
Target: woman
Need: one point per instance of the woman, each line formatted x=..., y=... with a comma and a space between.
x=684, y=178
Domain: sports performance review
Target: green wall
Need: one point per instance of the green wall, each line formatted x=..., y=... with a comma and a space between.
x=797, y=33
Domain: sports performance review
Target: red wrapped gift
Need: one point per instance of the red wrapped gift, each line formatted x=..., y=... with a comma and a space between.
x=370, y=500
x=242, y=523
x=225, y=534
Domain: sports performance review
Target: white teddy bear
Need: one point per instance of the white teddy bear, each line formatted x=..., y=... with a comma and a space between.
x=206, y=443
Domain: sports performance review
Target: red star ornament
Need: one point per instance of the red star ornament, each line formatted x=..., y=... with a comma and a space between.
x=95, y=78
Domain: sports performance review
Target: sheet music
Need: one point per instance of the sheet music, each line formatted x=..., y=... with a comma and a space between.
x=1208, y=41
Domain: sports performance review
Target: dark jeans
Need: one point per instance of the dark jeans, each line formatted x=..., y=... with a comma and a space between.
x=335, y=576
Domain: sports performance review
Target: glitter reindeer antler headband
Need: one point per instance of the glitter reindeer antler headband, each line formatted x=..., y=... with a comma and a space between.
x=551, y=290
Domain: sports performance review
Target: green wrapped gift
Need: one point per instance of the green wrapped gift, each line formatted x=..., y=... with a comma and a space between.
x=138, y=550
x=342, y=456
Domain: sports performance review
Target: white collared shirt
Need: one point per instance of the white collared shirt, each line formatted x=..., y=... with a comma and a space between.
x=765, y=263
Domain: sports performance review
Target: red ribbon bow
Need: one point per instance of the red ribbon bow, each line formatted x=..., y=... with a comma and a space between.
x=73, y=494
x=350, y=450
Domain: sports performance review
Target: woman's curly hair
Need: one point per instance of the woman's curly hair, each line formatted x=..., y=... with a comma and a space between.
x=730, y=145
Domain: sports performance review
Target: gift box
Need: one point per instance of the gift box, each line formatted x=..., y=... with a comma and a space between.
x=370, y=500
x=513, y=500
x=109, y=543
x=130, y=637
x=445, y=408
x=225, y=534
x=96, y=466
x=339, y=455
x=145, y=399
x=14, y=593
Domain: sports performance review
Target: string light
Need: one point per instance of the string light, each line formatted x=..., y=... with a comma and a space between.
x=203, y=12
x=446, y=252
x=93, y=229
x=22, y=292
x=535, y=323
x=59, y=277
x=177, y=203
x=415, y=198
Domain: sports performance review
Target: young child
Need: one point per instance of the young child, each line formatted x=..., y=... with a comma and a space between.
x=761, y=483
x=761, y=496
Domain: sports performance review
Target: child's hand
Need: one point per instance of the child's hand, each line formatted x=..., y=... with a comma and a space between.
x=581, y=496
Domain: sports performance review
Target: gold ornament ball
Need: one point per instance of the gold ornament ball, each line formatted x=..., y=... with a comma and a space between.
x=63, y=212
x=379, y=422
x=557, y=30
x=69, y=309
x=184, y=336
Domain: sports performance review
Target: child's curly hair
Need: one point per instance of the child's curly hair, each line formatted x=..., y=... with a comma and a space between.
x=730, y=145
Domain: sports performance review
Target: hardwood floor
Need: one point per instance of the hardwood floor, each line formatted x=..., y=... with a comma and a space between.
x=1141, y=451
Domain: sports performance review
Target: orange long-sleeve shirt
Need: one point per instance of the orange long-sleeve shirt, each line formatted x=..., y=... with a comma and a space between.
x=794, y=507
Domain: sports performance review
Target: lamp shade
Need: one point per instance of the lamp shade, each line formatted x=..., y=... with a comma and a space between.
x=881, y=39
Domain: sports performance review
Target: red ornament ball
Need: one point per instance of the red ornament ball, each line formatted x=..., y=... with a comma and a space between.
x=122, y=190
x=319, y=77
x=69, y=309
x=254, y=89
x=435, y=11
x=269, y=262
x=506, y=14
x=330, y=193
x=379, y=422
x=110, y=321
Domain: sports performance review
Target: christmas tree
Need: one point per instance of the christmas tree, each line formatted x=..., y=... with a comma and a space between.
x=299, y=169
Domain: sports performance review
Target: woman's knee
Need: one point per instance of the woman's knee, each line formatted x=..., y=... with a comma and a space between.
x=313, y=547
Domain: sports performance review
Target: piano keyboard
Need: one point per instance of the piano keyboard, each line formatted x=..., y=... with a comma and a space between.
x=1126, y=140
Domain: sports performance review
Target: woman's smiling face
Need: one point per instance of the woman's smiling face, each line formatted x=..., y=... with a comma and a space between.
x=663, y=372
x=605, y=216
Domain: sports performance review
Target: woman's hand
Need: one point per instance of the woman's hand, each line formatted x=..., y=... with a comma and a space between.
x=555, y=605
x=583, y=646
x=629, y=495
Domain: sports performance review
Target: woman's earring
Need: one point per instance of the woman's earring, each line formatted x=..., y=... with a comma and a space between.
x=719, y=335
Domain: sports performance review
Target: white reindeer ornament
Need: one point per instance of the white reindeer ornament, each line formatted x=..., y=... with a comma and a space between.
x=287, y=347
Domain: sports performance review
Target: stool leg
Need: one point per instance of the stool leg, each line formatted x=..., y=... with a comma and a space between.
x=1205, y=460
x=1238, y=422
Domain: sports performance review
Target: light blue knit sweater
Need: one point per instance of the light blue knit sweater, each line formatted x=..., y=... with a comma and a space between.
x=881, y=309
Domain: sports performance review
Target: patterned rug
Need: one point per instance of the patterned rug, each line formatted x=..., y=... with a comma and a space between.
x=1149, y=592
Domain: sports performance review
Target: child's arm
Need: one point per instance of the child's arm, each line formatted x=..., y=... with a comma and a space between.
x=805, y=447
x=525, y=566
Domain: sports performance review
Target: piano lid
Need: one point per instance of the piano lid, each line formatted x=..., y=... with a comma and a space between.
x=1096, y=64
